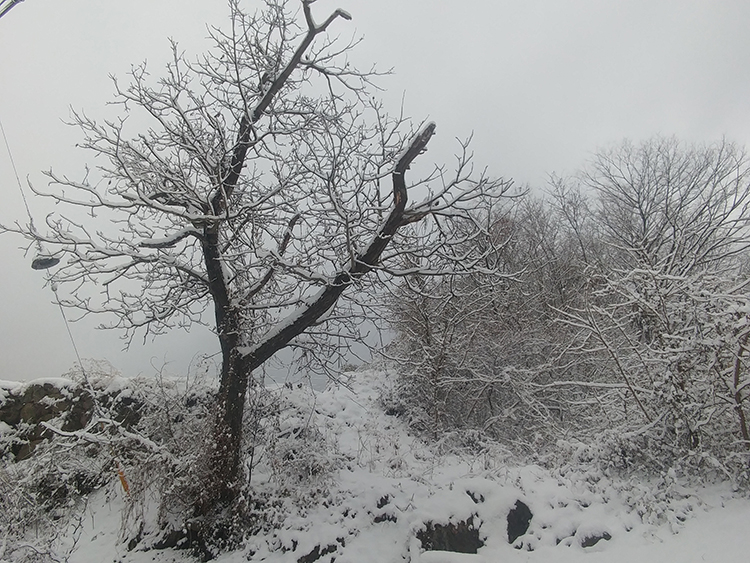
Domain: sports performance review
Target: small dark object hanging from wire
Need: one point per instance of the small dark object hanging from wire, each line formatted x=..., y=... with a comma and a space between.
x=43, y=260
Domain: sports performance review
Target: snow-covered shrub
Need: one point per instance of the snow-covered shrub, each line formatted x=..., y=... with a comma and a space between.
x=671, y=312
x=45, y=479
x=630, y=467
x=36, y=527
x=677, y=353
x=288, y=457
x=298, y=455
x=142, y=440
x=623, y=314
x=484, y=352
x=160, y=469
x=142, y=435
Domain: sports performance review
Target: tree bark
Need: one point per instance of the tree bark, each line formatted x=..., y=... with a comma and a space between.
x=224, y=459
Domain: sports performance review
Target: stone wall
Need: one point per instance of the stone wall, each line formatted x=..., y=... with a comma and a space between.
x=66, y=404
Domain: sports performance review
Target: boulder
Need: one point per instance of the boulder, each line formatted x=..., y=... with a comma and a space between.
x=519, y=519
x=67, y=404
x=461, y=537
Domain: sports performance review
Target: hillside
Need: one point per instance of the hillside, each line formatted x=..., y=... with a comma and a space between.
x=344, y=481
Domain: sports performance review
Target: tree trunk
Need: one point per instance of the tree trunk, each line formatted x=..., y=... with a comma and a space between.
x=226, y=440
x=219, y=470
x=223, y=455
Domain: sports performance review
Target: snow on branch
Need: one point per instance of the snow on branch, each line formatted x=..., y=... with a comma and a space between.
x=308, y=314
x=170, y=241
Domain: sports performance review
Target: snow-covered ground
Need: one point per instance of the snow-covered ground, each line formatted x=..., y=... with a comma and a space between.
x=375, y=486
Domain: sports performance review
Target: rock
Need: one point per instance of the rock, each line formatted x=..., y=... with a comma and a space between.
x=519, y=519
x=592, y=540
x=40, y=402
x=190, y=537
x=384, y=500
x=385, y=517
x=80, y=411
x=462, y=537
x=68, y=404
x=317, y=552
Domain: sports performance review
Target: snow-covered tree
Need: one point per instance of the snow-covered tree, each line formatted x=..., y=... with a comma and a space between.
x=623, y=307
x=670, y=207
x=267, y=183
x=479, y=350
x=668, y=312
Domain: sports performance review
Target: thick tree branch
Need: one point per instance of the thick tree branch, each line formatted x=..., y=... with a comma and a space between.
x=306, y=316
x=244, y=140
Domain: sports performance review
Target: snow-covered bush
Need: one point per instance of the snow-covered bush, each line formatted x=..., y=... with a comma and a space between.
x=484, y=352
x=46, y=473
x=298, y=457
x=623, y=312
x=677, y=347
x=41, y=499
x=139, y=435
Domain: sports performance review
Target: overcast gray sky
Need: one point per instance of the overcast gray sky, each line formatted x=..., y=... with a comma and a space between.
x=541, y=84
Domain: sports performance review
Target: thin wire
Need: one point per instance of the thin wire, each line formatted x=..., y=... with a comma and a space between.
x=70, y=334
x=15, y=171
x=52, y=284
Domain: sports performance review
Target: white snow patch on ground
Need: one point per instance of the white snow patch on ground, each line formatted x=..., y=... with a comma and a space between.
x=387, y=485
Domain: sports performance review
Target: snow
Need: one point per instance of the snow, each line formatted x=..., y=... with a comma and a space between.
x=284, y=323
x=716, y=533
x=168, y=241
x=380, y=485
x=59, y=382
x=107, y=382
x=9, y=387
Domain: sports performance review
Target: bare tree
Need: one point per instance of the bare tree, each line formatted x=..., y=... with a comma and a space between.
x=482, y=350
x=624, y=309
x=258, y=187
x=666, y=311
x=666, y=206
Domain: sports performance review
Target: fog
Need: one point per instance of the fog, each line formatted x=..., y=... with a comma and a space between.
x=539, y=85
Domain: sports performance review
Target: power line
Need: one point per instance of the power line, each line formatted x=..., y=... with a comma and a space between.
x=6, y=5
x=15, y=171
x=42, y=261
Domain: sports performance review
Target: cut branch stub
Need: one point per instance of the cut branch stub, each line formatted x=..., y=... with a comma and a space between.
x=417, y=146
